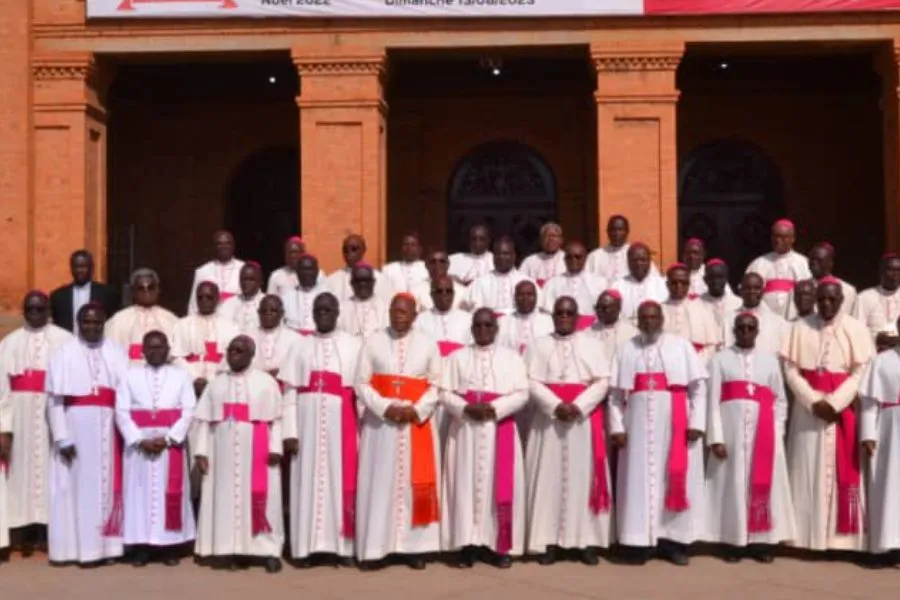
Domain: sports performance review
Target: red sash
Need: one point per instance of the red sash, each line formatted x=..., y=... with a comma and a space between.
x=448, y=347
x=106, y=398
x=779, y=285
x=759, y=517
x=149, y=419
x=29, y=381
x=135, y=352
x=585, y=322
x=223, y=296
x=211, y=354
x=331, y=383
x=677, y=463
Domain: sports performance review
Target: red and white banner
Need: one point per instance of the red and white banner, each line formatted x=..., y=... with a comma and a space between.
x=204, y=9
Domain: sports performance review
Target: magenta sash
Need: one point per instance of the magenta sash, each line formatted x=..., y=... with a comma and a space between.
x=693, y=295
x=448, y=347
x=305, y=332
x=846, y=452
x=29, y=381
x=541, y=282
x=211, y=354
x=599, y=499
x=135, y=352
x=698, y=347
x=328, y=382
x=259, y=465
x=504, y=470
x=585, y=322
x=677, y=463
x=106, y=398
x=779, y=285
x=223, y=296
x=149, y=419
x=759, y=518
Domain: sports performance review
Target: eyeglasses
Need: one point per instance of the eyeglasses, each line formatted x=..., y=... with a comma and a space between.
x=147, y=287
x=483, y=325
x=442, y=291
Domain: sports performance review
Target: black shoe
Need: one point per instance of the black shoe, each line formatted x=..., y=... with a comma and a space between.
x=141, y=559
x=415, y=562
x=346, y=561
x=222, y=563
x=273, y=565
x=589, y=557
x=94, y=564
x=674, y=552
x=503, y=561
x=761, y=553
x=548, y=557
x=302, y=563
x=731, y=557
x=27, y=550
x=369, y=565
x=171, y=560
x=466, y=558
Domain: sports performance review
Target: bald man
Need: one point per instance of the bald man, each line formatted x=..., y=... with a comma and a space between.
x=781, y=268
x=576, y=282
x=339, y=282
x=641, y=283
x=224, y=270
x=550, y=260
x=821, y=265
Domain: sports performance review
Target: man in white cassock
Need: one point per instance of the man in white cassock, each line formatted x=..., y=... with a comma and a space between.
x=657, y=418
x=688, y=318
x=86, y=485
x=154, y=406
x=496, y=289
x=24, y=356
x=285, y=278
x=825, y=356
x=483, y=387
x=399, y=483
x=803, y=300
x=569, y=487
x=880, y=419
x=408, y=272
x=548, y=262
x=449, y=327
x=241, y=310
x=466, y=267
x=718, y=298
x=298, y=300
x=364, y=313
x=772, y=327
x=748, y=495
x=611, y=330
x=339, y=283
x=274, y=341
x=781, y=268
x=224, y=271
x=821, y=265
x=575, y=282
x=237, y=449
x=640, y=283
x=611, y=261
x=437, y=263
x=878, y=308
x=693, y=255
x=129, y=326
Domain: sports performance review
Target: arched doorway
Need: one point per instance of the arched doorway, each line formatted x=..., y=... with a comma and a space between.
x=507, y=186
x=729, y=193
x=263, y=205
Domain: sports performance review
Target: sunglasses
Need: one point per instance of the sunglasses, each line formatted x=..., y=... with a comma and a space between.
x=442, y=291
x=147, y=287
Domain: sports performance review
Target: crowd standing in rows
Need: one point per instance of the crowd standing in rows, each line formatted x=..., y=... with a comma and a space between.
x=457, y=404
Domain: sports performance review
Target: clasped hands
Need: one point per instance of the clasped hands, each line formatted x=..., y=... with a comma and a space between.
x=567, y=412
x=824, y=410
x=401, y=414
x=153, y=446
x=480, y=411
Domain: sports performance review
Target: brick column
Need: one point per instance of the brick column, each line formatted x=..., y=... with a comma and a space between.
x=888, y=66
x=343, y=152
x=69, y=172
x=636, y=142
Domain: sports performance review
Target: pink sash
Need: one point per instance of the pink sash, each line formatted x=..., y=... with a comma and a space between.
x=135, y=352
x=779, y=285
x=149, y=419
x=259, y=465
x=759, y=517
x=846, y=452
x=504, y=470
x=693, y=295
x=599, y=499
x=698, y=347
x=211, y=354
x=448, y=347
x=327, y=382
x=106, y=398
x=677, y=463
x=29, y=381
x=585, y=322
x=305, y=332
x=223, y=296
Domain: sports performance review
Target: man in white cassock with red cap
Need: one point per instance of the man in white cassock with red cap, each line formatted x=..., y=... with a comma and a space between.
x=576, y=283
x=224, y=270
x=240, y=310
x=548, y=262
x=86, y=503
x=640, y=283
x=657, y=419
x=781, y=268
x=129, y=326
x=321, y=432
x=298, y=300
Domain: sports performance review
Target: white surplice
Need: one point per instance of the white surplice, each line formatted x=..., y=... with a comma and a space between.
x=542, y=267
x=878, y=309
x=227, y=276
x=469, y=516
x=734, y=423
x=422, y=294
x=405, y=276
x=653, y=287
x=698, y=285
x=772, y=328
x=848, y=306
x=129, y=326
x=722, y=307
x=363, y=317
x=283, y=279
x=497, y=291
x=150, y=389
x=468, y=267
x=842, y=346
x=384, y=493
x=189, y=350
x=298, y=307
x=82, y=498
x=584, y=287
x=242, y=312
x=791, y=266
x=612, y=337
x=646, y=417
x=880, y=423
x=224, y=525
x=455, y=325
x=273, y=346
x=338, y=283
x=609, y=262
x=24, y=415
x=314, y=419
x=559, y=458
x=692, y=320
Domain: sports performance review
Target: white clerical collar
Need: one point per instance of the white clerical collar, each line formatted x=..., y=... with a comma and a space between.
x=740, y=350
x=445, y=313
x=91, y=345
x=751, y=309
x=615, y=249
x=525, y=316
x=81, y=286
x=361, y=300
x=146, y=309
x=674, y=302
x=574, y=275
x=648, y=343
x=272, y=331
x=31, y=329
x=394, y=334
x=326, y=335
x=487, y=348
x=885, y=292
x=251, y=298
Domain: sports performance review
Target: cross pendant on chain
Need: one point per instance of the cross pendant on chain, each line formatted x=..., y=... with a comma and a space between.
x=397, y=383
x=751, y=389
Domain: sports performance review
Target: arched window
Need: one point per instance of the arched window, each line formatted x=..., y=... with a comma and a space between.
x=507, y=186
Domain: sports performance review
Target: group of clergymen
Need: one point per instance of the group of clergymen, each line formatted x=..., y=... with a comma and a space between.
x=457, y=404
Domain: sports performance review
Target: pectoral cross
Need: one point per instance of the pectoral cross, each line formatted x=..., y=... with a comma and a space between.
x=751, y=389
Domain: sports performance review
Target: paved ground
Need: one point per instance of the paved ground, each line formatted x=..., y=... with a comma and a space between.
x=706, y=577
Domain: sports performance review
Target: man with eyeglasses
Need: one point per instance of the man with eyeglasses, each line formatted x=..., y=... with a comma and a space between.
x=466, y=267
x=748, y=495
x=363, y=313
x=577, y=283
x=688, y=318
x=548, y=262
x=320, y=429
x=24, y=436
x=609, y=329
x=298, y=301
x=437, y=263
x=496, y=289
x=484, y=385
x=657, y=419
x=405, y=274
x=241, y=309
x=224, y=270
x=772, y=327
x=339, y=283
x=274, y=341
x=67, y=300
x=129, y=326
